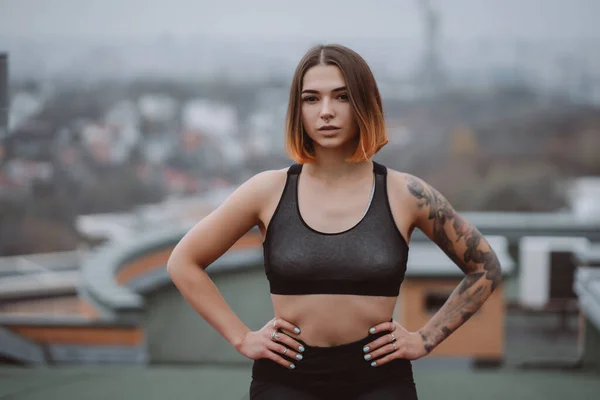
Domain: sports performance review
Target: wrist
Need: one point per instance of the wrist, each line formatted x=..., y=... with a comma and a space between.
x=426, y=339
x=238, y=339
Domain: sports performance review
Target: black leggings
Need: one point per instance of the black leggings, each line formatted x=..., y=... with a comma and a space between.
x=260, y=390
x=337, y=372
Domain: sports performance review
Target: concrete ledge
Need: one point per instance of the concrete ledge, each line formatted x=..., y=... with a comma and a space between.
x=587, y=287
x=590, y=256
x=43, y=284
x=231, y=261
x=515, y=225
x=63, y=320
x=100, y=269
x=66, y=354
x=40, y=262
x=19, y=348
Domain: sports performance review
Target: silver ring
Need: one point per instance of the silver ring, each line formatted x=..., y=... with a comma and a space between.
x=274, y=336
x=393, y=337
x=285, y=351
x=394, y=344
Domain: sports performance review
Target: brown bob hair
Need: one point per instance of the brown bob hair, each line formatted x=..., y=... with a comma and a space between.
x=363, y=95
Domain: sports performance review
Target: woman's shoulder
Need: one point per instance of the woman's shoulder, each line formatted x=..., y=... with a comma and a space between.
x=271, y=177
x=398, y=180
x=405, y=187
x=267, y=183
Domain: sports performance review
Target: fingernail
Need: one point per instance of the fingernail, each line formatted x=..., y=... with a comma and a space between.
x=374, y=364
x=299, y=356
x=292, y=366
x=366, y=348
x=297, y=330
x=301, y=348
x=372, y=330
x=368, y=357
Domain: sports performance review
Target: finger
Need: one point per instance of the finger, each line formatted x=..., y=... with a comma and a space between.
x=279, y=323
x=386, y=359
x=288, y=341
x=388, y=349
x=278, y=359
x=274, y=335
x=388, y=326
x=285, y=351
x=281, y=337
x=379, y=342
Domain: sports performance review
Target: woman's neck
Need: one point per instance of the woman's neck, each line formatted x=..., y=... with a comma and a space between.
x=331, y=170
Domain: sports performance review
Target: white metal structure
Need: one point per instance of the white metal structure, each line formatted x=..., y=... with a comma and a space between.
x=534, y=266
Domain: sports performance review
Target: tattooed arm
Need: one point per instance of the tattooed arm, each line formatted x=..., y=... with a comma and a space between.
x=466, y=247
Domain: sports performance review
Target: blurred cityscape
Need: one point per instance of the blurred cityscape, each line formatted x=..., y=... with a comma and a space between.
x=102, y=129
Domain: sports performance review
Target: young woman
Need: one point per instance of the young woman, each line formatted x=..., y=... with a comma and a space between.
x=335, y=228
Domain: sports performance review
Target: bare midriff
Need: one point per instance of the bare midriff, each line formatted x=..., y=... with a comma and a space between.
x=333, y=319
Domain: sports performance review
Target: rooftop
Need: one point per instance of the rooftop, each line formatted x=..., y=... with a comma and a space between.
x=231, y=383
x=540, y=363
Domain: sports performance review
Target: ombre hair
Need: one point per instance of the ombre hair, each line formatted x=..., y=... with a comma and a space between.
x=363, y=95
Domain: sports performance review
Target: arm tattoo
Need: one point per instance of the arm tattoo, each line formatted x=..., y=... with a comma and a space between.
x=477, y=261
x=441, y=212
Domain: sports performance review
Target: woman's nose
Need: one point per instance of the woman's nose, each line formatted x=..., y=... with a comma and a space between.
x=326, y=110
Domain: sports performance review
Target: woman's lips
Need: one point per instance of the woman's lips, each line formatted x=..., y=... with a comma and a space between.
x=329, y=132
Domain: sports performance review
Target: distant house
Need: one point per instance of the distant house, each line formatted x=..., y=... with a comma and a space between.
x=23, y=106
x=33, y=139
x=218, y=124
x=7, y=184
x=101, y=143
x=157, y=107
x=215, y=119
x=24, y=172
x=584, y=196
x=180, y=182
x=158, y=114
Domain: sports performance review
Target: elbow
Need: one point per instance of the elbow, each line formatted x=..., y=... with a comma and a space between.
x=179, y=266
x=171, y=269
x=174, y=266
x=490, y=264
x=494, y=274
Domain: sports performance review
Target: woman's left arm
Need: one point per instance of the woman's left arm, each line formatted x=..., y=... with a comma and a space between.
x=467, y=248
x=429, y=211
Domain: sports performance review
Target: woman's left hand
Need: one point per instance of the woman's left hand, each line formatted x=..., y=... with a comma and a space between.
x=399, y=343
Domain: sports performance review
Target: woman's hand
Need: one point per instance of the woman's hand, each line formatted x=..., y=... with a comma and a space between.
x=270, y=342
x=399, y=343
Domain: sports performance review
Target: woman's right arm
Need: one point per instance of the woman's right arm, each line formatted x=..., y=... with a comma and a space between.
x=207, y=241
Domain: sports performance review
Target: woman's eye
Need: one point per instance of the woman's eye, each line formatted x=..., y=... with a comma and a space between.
x=309, y=98
x=343, y=96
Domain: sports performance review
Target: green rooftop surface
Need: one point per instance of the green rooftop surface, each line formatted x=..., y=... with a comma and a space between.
x=231, y=383
x=539, y=341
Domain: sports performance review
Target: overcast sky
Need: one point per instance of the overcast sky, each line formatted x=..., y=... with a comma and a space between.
x=319, y=19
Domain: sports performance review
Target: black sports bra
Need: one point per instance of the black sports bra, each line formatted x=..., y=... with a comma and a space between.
x=367, y=259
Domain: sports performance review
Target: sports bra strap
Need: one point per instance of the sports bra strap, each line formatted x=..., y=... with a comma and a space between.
x=379, y=169
x=294, y=169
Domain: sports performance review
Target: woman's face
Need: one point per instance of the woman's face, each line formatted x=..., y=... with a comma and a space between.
x=327, y=115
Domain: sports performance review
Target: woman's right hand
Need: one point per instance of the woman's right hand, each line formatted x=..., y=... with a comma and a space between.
x=270, y=342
